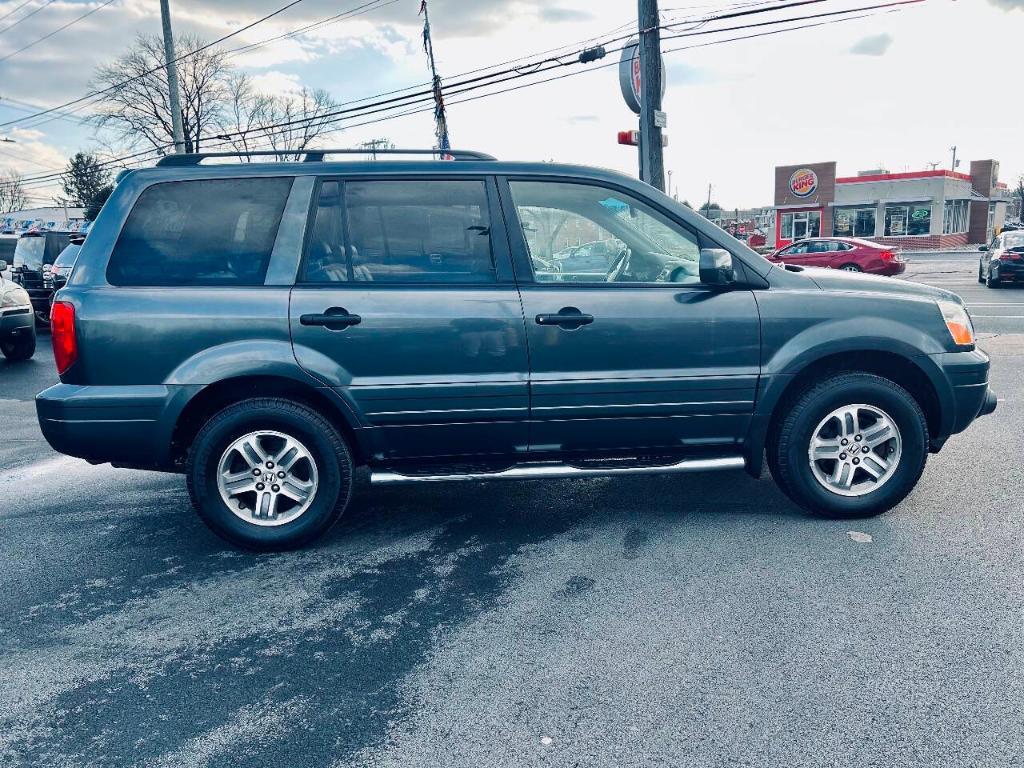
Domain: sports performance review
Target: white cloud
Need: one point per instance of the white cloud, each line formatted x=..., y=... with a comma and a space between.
x=276, y=83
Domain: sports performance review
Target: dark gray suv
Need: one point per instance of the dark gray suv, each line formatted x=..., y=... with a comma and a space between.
x=266, y=327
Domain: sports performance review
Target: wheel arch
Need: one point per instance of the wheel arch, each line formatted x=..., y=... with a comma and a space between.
x=214, y=397
x=901, y=369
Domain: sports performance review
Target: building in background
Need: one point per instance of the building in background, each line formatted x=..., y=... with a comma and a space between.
x=55, y=219
x=916, y=210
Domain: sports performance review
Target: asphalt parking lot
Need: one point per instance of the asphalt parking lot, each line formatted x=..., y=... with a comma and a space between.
x=683, y=621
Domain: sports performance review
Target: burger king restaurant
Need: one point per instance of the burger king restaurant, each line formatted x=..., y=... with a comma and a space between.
x=914, y=210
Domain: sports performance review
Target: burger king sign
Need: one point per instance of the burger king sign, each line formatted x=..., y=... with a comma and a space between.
x=803, y=182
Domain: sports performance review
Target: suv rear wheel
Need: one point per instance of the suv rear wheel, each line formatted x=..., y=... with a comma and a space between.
x=269, y=474
x=853, y=446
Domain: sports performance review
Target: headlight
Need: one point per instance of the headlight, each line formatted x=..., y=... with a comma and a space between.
x=15, y=297
x=957, y=321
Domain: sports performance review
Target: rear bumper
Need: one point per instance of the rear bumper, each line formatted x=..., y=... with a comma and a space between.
x=120, y=425
x=1008, y=271
x=892, y=268
x=16, y=322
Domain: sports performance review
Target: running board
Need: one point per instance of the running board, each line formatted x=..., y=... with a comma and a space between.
x=560, y=471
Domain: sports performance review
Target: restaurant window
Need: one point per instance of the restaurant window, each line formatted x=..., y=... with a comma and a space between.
x=955, y=217
x=800, y=225
x=903, y=220
x=854, y=222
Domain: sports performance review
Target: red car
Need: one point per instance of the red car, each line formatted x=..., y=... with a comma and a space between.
x=849, y=253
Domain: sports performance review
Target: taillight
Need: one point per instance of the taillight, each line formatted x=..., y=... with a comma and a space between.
x=62, y=334
x=887, y=255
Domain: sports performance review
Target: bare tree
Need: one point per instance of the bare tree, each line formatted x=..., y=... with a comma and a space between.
x=13, y=196
x=246, y=113
x=136, y=106
x=300, y=119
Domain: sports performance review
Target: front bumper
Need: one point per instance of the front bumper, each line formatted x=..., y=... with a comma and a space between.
x=967, y=372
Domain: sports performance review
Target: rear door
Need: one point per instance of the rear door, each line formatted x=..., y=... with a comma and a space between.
x=643, y=357
x=407, y=306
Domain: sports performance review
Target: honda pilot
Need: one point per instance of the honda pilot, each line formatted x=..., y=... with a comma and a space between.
x=264, y=328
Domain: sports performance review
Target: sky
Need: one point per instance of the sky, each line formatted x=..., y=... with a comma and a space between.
x=894, y=90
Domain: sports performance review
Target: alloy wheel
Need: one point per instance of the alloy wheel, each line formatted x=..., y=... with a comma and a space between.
x=855, y=450
x=267, y=478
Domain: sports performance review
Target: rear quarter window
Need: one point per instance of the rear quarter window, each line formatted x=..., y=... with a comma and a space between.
x=202, y=232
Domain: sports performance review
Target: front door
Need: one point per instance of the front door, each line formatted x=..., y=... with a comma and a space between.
x=406, y=305
x=643, y=357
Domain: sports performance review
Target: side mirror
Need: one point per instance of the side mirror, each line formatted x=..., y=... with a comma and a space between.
x=716, y=267
x=983, y=248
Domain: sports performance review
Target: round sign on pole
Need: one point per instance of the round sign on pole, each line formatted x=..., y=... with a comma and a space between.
x=631, y=78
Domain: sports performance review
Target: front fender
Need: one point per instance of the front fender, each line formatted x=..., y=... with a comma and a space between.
x=913, y=337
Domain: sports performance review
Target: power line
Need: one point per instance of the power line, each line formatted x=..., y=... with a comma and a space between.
x=15, y=10
x=357, y=11
x=473, y=84
x=28, y=16
x=270, y=130
x=72, y=23
x=132, y=79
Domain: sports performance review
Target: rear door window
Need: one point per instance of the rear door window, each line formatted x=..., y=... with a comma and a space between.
x=436, y=231
x=202, y=232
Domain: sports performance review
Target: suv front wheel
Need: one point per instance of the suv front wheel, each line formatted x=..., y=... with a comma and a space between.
x=853, y=446
x=269, y=474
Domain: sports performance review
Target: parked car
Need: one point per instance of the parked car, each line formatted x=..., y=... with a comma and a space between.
x=17, y=329
x=8, y=244
x=56, y=277
x=847, y=253
x=34, y=255
x=265, y=328
x=1002, y=261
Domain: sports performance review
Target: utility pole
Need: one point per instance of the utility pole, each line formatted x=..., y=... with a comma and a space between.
x=440, y=118
x=707, y=208
x=651, y=146
x=174, y=93
x=953, y=167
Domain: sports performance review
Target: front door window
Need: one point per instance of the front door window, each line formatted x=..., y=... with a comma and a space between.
x=577, y=233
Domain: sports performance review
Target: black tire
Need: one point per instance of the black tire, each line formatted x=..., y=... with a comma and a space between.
x=328, y=448
x=989, y=281
x=851, y=268
x=19, y=349
x=788, y=446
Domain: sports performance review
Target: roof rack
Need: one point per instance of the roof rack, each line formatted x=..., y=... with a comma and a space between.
x=317, y=155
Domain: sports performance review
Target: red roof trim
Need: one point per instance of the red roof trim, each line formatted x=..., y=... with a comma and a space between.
x=901, y=176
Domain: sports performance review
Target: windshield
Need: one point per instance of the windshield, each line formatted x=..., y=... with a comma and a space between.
x=29, y=253
x=1013, y=240
x=68, y=256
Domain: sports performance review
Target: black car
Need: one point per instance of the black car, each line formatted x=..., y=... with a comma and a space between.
x=1002, y=261
x=35, y=254
x=56, y=277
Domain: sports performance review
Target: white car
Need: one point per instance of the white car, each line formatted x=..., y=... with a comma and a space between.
x=17, y=321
